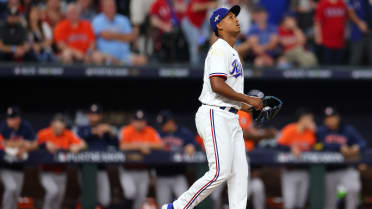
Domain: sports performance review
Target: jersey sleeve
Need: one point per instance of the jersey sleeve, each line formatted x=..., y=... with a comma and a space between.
x=154, y=137
x=285, y=137
x=29, y=132
x=319, y=13
x=74, y=139
x=218, y=62
x=60, y=33
x=245, y=120
x=41, y=137
x=125, y=136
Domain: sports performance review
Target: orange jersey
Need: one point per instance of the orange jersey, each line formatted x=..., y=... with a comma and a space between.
x=148, y=135
x=64, y=141
x=79, y=37
x=291, y=137
x=246, y=122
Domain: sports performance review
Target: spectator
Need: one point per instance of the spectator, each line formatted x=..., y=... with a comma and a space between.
x=330, y=24
x=19, y=138
x=75, y=39
x=99, y=136
x=138, y=136
x=40, y=36
x=297, y=137
x=139, y=12
x=169, y=43
x=176, y=138
x=276, y=9
x=293, y=41
x=53, y=12
x=114, y=35
x=195, y=26
x=14, y=5
x=13, y=39
x=263, y=39
x=336, y=136
x=53, y=178
x=360, y=12
x=88, y=11
x=305, y=10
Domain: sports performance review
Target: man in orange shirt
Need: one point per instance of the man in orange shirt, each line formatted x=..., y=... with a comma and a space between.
x=297, y=137
x=138, y=136
x=53, y=178
x=75, y=39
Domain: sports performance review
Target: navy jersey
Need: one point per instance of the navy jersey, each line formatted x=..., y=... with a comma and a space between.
x=175, y=142
x=25, y=131
x=345, y=135
x=95, y=143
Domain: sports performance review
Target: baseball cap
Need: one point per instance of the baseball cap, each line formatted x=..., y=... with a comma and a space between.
x=13, y=111
x=139, y=115
x=164, y=116
x=220, y=13
x=330, y=111
x=95, y=108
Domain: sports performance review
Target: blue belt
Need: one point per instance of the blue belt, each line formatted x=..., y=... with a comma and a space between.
x=230, y=109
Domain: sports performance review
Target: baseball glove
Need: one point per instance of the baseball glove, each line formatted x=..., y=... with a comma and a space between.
x=271, y=108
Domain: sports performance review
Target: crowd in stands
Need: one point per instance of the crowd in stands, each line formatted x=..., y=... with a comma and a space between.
x=283, y=33
x=93, y=132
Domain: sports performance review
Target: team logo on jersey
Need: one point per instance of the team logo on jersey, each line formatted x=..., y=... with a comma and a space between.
x=237, y=69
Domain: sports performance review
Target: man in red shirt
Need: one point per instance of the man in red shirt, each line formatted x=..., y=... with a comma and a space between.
x=330, y=23
x=75, y=39
x=165, y=16
x=196, y=27
x=293, y=41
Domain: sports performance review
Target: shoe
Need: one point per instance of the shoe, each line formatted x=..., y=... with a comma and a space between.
x=167, y=206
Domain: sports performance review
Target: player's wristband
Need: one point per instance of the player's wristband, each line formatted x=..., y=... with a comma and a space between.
x=14, y=48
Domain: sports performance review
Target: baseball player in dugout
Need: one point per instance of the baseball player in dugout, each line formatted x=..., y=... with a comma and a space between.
x=337, y=136
x=176, y=138
x=297, y=137
x=217, y=120
x=19, y=139
x=100, y=136
x=142, y=138
x=53, y=177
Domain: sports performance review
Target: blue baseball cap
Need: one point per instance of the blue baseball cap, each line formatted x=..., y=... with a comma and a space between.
x=220, y=13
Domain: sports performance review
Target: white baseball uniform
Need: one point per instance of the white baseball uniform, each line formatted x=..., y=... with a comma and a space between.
x=221, y=133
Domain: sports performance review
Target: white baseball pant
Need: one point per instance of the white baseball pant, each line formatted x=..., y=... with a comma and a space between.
x=256, y=189
x=166, y=186
x=295, y=186
x=224, y=146
x=350, y=179
x=12, y=181
x=55, y=186
x=103, y=188
x=135, y=184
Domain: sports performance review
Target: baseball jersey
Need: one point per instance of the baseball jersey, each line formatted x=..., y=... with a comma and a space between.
x=148, y=135
x=246, y=122
x=332, y=18
x=64, y=141
x=291, y=137
x=223, y=61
